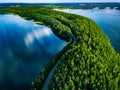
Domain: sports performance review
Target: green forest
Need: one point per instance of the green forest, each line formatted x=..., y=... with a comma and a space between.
x=88, y=62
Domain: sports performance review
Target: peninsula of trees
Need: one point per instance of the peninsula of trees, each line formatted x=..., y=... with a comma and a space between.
x=88, y=62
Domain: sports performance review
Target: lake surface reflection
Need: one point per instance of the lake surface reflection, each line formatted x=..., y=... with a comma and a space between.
x=108, y=20
x=25, y=48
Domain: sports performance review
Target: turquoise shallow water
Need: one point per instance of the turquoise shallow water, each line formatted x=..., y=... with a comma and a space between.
x=108, y=20
x=25, y=48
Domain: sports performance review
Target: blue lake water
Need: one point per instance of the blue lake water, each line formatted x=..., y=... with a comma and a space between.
x=25, y=48
x=108, y=20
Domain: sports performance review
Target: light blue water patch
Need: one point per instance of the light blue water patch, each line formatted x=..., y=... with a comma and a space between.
x=25, y=48
x=108, y=20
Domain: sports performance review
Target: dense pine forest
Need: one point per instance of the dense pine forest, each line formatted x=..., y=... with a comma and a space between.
x=88, y=62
